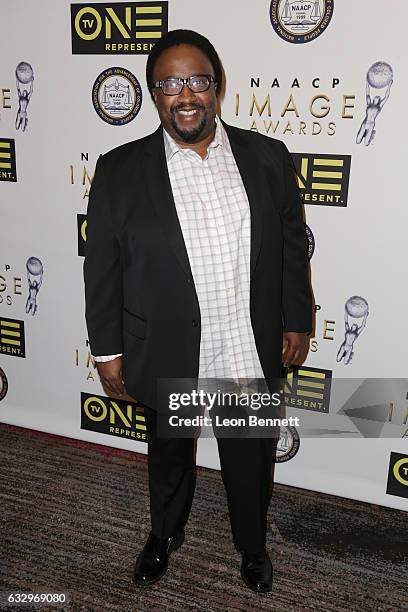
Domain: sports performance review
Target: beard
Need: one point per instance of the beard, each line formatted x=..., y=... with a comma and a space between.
x=189, y=136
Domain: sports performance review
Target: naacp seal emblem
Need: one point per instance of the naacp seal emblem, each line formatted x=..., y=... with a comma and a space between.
x=310, y=242
x=299, y=22
x=3, y=384
x=288, y=444
x=117, y=96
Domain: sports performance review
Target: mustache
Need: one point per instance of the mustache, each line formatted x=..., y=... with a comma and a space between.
x=179, y=107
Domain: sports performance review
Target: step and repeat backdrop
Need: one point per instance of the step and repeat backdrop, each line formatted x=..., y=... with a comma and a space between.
x=329, y=78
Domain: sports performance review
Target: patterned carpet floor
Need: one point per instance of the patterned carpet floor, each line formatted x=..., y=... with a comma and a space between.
x=74, y=516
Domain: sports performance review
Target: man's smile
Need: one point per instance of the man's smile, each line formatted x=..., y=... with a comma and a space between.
x=187, y=112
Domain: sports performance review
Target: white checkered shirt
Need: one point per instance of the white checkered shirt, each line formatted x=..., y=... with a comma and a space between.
x=214, y=214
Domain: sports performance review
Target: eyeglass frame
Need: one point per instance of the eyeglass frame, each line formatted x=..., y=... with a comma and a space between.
x=159, y=84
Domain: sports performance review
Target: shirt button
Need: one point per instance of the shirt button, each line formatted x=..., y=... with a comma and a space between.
x=195, y=323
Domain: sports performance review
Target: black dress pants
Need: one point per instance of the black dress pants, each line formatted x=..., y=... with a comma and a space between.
x=247, y=473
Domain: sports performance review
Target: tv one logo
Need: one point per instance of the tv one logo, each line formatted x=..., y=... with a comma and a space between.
x=397, y=483
x=120, y=27
x=8, y=160
x=12, y=337
x=113, y=417
x=307, y=388
x=81, y=226
x=323, y=179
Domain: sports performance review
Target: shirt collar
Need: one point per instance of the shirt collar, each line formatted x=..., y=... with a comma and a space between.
x=220, y=140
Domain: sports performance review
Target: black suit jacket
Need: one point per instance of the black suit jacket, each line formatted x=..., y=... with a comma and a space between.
x=139, y=290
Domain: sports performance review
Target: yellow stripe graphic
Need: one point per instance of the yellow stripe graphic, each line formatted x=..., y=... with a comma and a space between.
x=9, y=323
x=149, y=9
x=289, y=382
x=304, y=166
x=303, y=172
x=311, y=383
x=310, y=394
x=8, y=332
x=327, y=174
x=326, y=186
x=300, y=183
x=148, y=22
x=6, y=155
x=6, y=341
x=311, y=374
x=4, y=145
x=140, y=426
x=148, y=34
x=5, y=165
x=328, y=162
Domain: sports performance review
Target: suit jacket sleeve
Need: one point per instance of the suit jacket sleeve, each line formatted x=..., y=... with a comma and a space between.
x=102, y=271
x=296, y=290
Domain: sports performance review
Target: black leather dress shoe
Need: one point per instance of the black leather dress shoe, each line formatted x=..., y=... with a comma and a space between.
x=256, y=571
x=152, y=562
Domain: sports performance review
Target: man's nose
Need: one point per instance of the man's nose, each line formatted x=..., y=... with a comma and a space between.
x=186, y=94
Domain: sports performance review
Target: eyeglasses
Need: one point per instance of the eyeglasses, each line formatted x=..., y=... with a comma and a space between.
x=174, y=85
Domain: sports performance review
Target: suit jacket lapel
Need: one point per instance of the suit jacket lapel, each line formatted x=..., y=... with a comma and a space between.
x=160, y=192
x=248, y=168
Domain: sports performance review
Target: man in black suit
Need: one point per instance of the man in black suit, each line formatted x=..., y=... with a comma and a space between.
x=148, y=295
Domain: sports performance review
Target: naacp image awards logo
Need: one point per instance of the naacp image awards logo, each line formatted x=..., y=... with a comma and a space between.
x=117, y=96
x=300, y=22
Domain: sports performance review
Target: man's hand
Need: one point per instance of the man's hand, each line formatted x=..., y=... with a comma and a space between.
x=295, y=348
x=110, y=373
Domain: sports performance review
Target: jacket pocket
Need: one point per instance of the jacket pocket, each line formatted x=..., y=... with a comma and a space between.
x=134, y=324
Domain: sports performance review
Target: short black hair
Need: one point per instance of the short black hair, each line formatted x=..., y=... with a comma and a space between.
x=184, y=37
